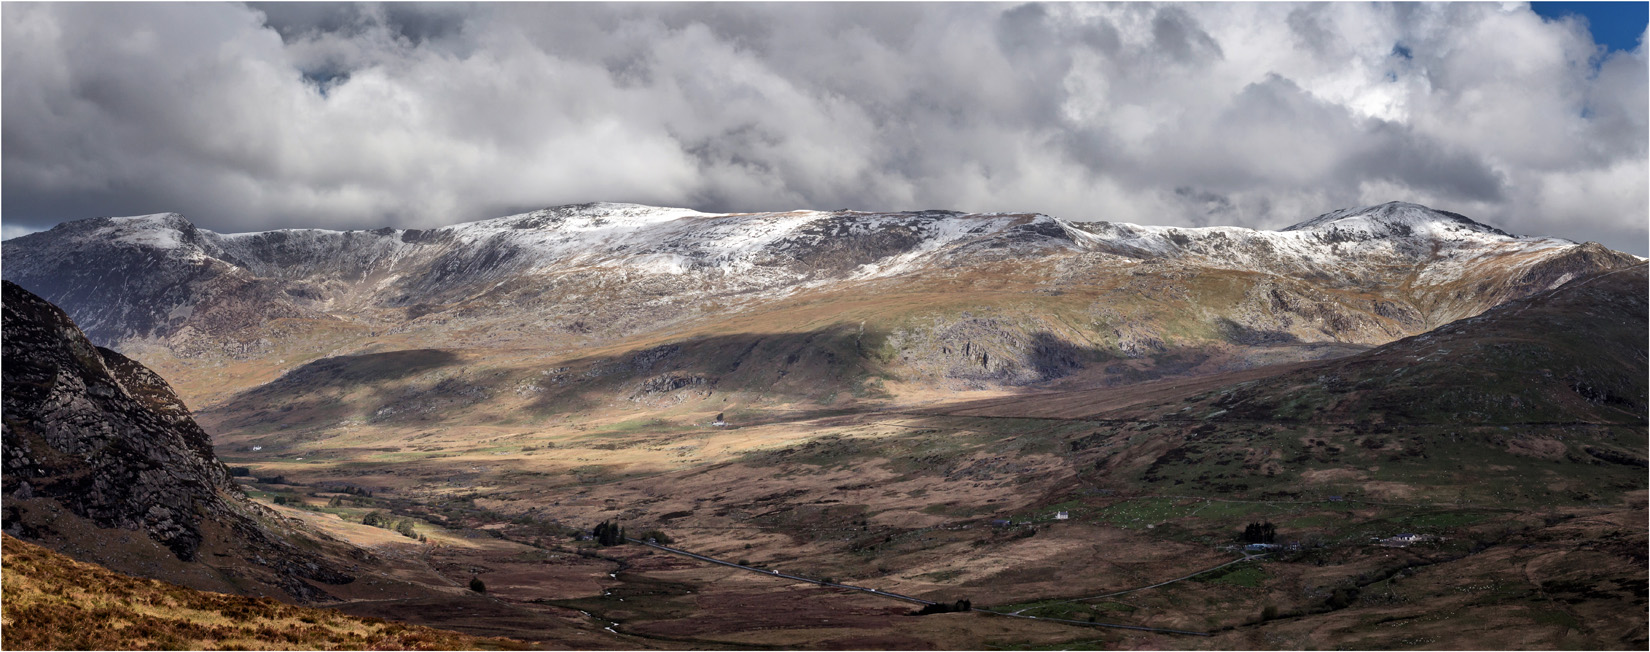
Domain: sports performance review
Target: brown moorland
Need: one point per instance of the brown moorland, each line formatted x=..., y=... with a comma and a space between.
x=53, y=602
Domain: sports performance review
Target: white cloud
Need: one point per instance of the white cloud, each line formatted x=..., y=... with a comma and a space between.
x=412, y=114
x=9, y=231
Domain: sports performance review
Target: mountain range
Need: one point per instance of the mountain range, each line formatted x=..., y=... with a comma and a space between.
x=987, y=300
x=903, y=398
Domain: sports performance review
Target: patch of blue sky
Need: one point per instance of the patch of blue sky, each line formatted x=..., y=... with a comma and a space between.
x=1617, y=26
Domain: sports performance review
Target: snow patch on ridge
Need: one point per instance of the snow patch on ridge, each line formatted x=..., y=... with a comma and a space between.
x=767, y=250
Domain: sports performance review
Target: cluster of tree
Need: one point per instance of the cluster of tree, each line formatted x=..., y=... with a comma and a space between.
x=240, y=471
x=609, y=534
x=943, y=608
x=378, y=518
x=273, y=479
x=1260, y=533
x=340, y=501
x=283, y=500
x=657, y=536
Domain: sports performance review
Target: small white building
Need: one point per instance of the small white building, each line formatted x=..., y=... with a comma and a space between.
x=1062, y=516
x=1406, y=539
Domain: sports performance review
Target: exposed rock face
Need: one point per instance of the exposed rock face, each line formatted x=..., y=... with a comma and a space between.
x=73, y=431
x=108, y=440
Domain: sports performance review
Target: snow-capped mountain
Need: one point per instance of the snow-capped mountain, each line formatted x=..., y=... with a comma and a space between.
x=595, y=272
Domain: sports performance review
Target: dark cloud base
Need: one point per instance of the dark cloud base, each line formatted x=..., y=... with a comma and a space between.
x=249, y=117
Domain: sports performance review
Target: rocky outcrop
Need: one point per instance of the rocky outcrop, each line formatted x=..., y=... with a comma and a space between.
x=108, y=440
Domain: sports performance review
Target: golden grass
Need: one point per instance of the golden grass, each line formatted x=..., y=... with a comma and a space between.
x=52, y=602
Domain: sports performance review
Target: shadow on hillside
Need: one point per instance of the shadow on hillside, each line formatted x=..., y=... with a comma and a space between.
x=1240, y=334
x=811, y=370
x=354, y=370
x=820, y=367
x=312, y=390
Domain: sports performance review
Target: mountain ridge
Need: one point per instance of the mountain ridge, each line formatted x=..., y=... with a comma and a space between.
x=760, y=254
x=627, y=275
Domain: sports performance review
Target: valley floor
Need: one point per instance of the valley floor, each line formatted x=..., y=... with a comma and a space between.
x=961, y=502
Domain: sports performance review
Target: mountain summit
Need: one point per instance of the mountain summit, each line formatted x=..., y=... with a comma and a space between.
x=1398, y=219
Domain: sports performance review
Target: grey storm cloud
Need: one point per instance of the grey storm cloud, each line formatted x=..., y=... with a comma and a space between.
x=275, y=115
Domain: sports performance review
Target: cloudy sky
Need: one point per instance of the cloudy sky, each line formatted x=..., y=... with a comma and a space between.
x=248, y=117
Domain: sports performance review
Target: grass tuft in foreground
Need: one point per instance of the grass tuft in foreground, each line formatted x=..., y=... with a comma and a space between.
x=52, y=602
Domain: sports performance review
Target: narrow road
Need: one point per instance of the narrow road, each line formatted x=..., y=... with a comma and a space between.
x=907, y=598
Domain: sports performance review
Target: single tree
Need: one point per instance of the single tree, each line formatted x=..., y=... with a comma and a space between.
x=477, y=585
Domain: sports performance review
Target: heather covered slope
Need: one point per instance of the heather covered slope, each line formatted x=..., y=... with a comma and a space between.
x=1573, y=354
x=1541, y=399
x=102, y=458
x=53, y=602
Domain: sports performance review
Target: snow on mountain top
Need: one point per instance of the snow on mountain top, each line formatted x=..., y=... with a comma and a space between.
x=253, y=234
x=165, y=218
x=580, y=217
x=1392, y=219
x=677, y=241
x=1397, y=218
x=158, y=230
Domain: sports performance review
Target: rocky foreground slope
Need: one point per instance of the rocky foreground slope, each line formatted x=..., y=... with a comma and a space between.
x=48, y=597
x=102, y=458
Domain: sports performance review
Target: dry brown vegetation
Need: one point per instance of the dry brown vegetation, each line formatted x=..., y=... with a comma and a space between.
x=52, y=602
x=829, y=469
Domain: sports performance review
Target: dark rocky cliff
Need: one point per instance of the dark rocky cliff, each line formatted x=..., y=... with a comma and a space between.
x=107, y=439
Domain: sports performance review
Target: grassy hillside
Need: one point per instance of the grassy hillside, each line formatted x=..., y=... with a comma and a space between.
x=1576, y=353
x=52, y=602
x=1531, y=533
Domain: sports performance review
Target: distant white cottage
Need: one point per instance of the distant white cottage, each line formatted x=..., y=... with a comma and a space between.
x=1062, y=516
